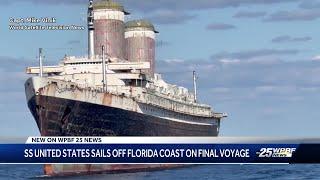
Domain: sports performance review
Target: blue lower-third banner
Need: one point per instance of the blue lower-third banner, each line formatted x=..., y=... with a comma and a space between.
x=159, y=153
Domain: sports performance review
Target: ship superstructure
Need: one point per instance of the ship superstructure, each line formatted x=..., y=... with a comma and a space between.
x=114, y=91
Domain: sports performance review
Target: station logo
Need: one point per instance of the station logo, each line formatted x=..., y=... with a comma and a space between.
x=276, y=152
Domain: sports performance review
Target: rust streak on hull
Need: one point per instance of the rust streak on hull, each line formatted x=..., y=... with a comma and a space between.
x=107, y=99
x=71, y=170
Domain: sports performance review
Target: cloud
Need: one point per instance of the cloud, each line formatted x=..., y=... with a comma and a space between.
x=285, y=80
x=316, y=58
x=10, y=64
x=165, y=11
x=310, y=4
x=289, y=39
x=295, y=15
x=267, y=89
x=249, y=14
x=184, y=8
x=230, y=61
x=13, y=105
x=220, y=90
x=73, y=42
x=160, y=43
x=170, y=17
x=250, y=76
x=220, y=26
x=180, y=5
x=250, y=54
x=47, y=2
x=12, y=73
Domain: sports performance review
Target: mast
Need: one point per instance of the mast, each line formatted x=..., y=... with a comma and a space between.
x=40, y=63
x=104, y=70
x=195, y=86
x=90, y=20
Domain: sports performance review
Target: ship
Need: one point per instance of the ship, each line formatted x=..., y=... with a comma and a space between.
x=114, y=91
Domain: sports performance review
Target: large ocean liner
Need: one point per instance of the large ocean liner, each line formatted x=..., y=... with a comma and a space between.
x=114, y=91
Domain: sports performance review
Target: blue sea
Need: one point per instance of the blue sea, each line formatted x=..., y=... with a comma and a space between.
x=219, y=172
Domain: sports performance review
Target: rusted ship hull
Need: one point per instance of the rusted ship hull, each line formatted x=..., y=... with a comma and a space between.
x=74, y=169
x=64, y=117
x=56, y=116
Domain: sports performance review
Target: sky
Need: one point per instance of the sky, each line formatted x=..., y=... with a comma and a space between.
x=257, y=60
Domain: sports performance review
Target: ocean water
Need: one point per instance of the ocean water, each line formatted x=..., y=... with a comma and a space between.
x=220, y=172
